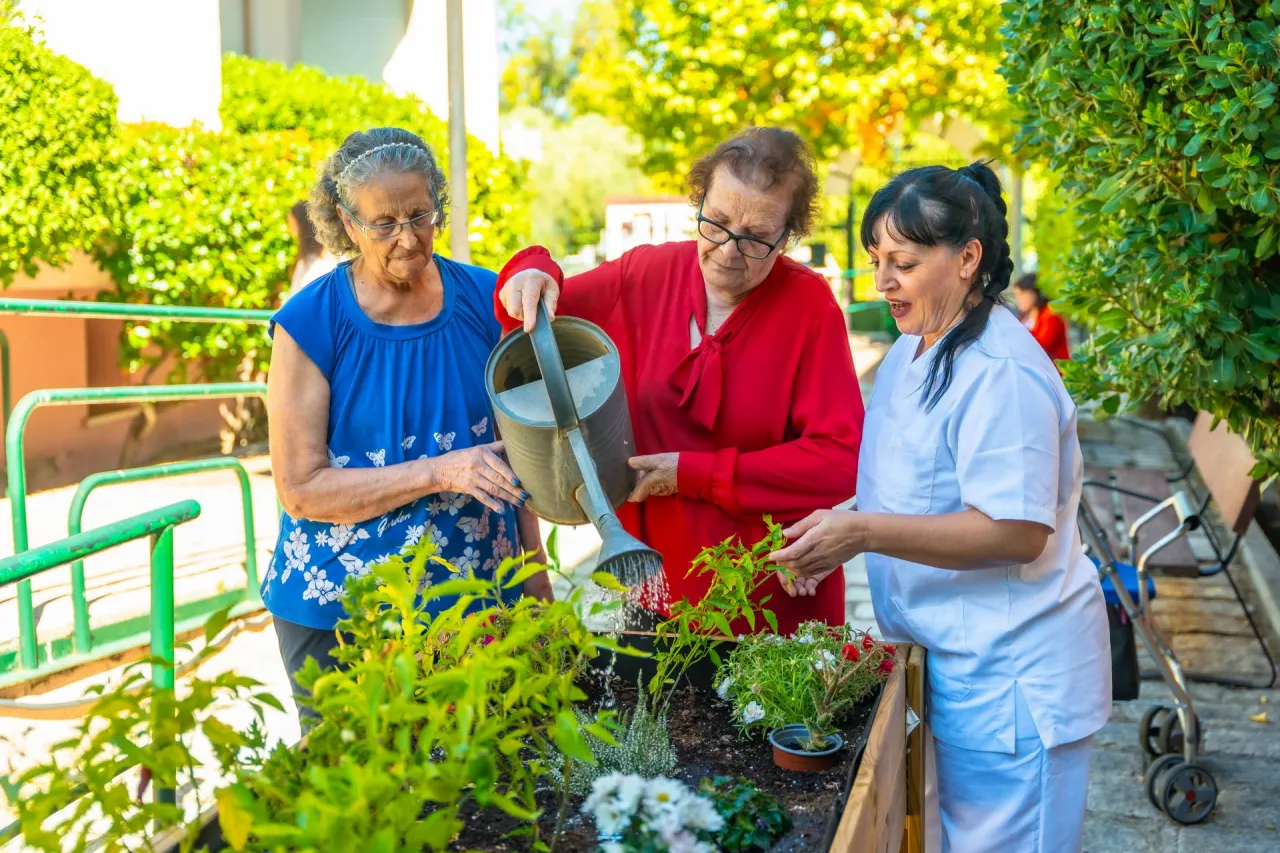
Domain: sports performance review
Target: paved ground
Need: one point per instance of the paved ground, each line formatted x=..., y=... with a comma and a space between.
x=1201, y=617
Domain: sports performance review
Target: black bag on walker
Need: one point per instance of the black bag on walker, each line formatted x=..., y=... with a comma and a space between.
x=1125, y=675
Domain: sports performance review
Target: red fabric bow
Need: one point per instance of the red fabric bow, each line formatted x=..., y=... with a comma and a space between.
x=699, y=377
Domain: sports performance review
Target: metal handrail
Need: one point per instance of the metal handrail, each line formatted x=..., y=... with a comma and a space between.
x=75, y=518
x=16, y=462
x=128, y=311
x=158, y=525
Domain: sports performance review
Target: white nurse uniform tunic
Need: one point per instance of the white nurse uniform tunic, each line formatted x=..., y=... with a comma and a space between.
x=1019, y=656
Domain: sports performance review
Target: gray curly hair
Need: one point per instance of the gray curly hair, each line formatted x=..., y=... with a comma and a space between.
x=362, y=155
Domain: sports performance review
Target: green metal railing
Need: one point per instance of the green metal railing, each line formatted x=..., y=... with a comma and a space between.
x=17, y=475
x=75, y=516
x=112, y=311
x=158, y=525
x=127, y=311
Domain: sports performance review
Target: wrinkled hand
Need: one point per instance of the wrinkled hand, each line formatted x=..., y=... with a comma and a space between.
x=479, y=472
x=818, y=545
x=522, y=291
x=655, y=475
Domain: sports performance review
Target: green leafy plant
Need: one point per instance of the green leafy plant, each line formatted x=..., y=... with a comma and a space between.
x=427, y=716
x=643, y=748
x=753, y=820
x=59, y=155
x=694, y=631
x=1163, y=121
x=88, y=792
x=814, y=677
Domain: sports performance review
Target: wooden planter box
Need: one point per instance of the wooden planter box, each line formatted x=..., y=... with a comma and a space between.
x=875, y=814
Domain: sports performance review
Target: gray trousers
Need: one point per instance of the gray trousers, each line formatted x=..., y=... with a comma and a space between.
x=297, y=643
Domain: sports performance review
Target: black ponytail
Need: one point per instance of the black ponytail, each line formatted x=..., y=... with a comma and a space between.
x=937, y=206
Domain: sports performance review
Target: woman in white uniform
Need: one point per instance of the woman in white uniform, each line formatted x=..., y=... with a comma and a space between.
x=969, y=477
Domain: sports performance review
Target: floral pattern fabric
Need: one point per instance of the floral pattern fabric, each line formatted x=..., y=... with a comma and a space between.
x=397, y=394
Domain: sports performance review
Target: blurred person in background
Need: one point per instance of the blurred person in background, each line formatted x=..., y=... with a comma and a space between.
x=1046, y=326
x=313, y=259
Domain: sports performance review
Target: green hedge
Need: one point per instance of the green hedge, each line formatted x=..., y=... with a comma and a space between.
x=1162, y=119
x=265, y=96
x=191, y=216
x=58, y=158
x=206, y=218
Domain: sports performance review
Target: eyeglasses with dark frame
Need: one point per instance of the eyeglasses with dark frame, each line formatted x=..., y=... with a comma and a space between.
x=391, y=230
x=750, y=247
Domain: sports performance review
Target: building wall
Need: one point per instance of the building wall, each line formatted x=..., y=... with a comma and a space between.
x=162, y=57
x=632, y=222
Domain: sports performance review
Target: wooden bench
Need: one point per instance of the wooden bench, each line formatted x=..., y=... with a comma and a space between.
x=1224, y=462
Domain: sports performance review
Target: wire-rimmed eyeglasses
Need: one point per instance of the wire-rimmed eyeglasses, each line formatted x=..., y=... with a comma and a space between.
x=750, y=247
x=391, y=230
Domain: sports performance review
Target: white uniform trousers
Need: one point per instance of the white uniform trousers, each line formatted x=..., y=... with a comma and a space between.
x=1030, y=802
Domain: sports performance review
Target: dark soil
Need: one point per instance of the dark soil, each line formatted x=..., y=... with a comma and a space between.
x=708, y=745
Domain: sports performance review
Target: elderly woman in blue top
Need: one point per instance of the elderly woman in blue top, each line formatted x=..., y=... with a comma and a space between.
x=381, y=431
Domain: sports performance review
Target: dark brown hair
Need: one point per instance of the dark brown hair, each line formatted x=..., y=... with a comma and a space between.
x=765, y=157
x=1029, y=282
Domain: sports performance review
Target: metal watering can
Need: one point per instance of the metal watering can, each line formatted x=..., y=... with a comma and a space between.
x=568, y=434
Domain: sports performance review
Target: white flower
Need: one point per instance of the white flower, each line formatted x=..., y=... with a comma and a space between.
x=700, y=813
x=825, y=659
x=347, y=735
x=663, y=795
x=805, y=638
x=610, y=818
x=753, y=713
x=629, y=792
x=613, y=802
x=723, y=690
x=467, y=562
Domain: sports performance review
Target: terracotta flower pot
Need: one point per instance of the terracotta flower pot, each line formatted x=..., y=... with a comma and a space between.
x=789, y=751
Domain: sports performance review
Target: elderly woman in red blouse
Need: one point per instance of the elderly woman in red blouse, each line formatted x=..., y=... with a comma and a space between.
x=742, y=391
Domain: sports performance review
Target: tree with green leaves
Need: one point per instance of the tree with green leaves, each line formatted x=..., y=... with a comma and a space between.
x=843, y=74
x=583, y=161
x=1163, y=122
x=58, y=155
x=562, y=68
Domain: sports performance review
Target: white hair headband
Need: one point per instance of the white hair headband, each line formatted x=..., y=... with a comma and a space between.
x=374, y=150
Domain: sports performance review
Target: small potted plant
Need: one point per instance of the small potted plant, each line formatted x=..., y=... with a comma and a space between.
x=799, y=688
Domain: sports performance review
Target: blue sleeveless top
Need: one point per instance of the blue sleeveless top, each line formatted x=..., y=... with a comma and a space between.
x=396, y=393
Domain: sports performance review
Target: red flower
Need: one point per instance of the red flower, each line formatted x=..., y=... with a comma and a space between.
x=890, y=650
x=850, y=652
x=487, y=640
x=867, y=643
x=886, y=666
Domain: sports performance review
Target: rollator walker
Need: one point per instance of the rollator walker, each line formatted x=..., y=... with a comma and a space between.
x=1171, y=736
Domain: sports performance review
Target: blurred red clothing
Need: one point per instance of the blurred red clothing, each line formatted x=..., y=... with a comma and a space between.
x=1050, y=331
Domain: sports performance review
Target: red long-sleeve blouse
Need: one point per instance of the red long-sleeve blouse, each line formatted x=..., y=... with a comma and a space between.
x=766, y=414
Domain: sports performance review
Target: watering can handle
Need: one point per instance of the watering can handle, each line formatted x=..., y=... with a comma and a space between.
x=551, y=366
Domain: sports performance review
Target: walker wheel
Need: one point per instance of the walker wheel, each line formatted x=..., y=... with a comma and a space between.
x=1170, y=739
x=1154, y=769
x=1188, y=792
x=1148, y=729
